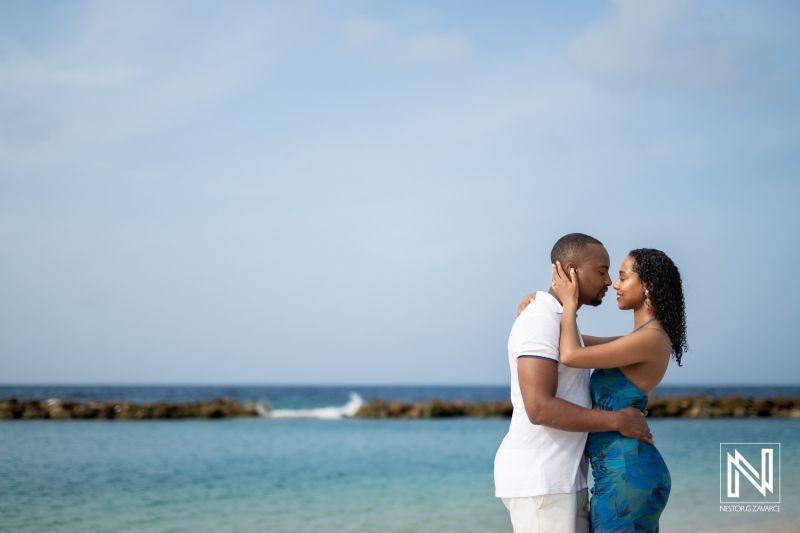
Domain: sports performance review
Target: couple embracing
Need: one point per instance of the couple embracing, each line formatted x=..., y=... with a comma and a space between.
x=541, y=467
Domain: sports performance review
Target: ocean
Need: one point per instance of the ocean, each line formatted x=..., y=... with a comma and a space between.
x=311, y=470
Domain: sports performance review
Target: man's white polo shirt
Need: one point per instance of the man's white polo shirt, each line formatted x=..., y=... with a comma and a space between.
x=534, y=459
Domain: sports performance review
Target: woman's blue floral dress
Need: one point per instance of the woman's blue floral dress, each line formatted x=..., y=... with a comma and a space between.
x=631, y=480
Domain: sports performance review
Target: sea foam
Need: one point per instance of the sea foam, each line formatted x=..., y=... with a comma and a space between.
x=325, y=413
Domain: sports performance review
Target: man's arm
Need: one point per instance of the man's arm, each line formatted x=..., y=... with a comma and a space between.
x=538, y=380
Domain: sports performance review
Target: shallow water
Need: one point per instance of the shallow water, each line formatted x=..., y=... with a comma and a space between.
x=249, y=475
x=326, y=475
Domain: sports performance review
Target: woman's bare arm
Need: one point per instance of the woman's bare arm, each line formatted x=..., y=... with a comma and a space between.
x=638, y=347
x=589, y=340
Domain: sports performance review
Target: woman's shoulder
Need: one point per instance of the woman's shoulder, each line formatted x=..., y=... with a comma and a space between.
x=652, y=338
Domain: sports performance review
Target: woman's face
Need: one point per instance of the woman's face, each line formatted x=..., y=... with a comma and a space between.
x=630, y=292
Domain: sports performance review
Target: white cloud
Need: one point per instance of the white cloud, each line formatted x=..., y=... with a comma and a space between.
x=672, y=45
x=427, y=47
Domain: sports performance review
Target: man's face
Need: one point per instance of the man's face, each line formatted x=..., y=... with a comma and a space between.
x=593, y=276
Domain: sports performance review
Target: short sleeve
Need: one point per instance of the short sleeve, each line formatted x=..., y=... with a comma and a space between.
x=536, y=332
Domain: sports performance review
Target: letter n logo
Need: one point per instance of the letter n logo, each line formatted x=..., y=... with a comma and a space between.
x=743, y=479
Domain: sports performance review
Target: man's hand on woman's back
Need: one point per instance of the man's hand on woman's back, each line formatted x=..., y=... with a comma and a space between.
x=632, y=424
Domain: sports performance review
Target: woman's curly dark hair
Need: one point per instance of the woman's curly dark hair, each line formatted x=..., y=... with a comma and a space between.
x=661, y=278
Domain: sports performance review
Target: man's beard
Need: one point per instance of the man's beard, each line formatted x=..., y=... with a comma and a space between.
x=597, y=300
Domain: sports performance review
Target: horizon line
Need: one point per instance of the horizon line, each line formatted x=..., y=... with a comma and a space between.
x=362, y=384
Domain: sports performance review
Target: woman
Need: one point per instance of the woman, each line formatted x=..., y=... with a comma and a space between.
x=631, y=481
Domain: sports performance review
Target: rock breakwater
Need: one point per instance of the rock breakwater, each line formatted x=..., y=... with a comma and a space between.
x=727, y=406
x=434, y=409
x=685, y=407
x=109, y=410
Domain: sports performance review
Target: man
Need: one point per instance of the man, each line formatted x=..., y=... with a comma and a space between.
x=540, y=468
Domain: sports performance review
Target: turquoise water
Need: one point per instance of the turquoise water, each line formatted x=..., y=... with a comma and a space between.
x=326, y=475
x=691, y=451
x=249, y=475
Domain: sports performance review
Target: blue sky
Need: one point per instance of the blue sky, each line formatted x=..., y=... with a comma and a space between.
x=362, y=192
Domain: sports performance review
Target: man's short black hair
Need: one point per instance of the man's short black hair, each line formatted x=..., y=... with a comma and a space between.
x=572, y=247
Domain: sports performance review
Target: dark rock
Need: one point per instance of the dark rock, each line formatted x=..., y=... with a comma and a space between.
x=9, y=409
x=58, y=409
x=436, y=408
x=694, y=407
x=104, y=410
x=490, y=409
x=33, y=409
x=160, y=410
x=84, y=411
x=374, y=409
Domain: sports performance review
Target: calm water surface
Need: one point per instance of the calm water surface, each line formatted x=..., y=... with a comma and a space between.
x=317, y=475
x=327, y=475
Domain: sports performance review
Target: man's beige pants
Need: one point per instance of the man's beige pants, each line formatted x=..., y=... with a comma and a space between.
x=550, y=513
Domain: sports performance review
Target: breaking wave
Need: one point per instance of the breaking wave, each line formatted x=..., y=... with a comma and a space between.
x=324, y=413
